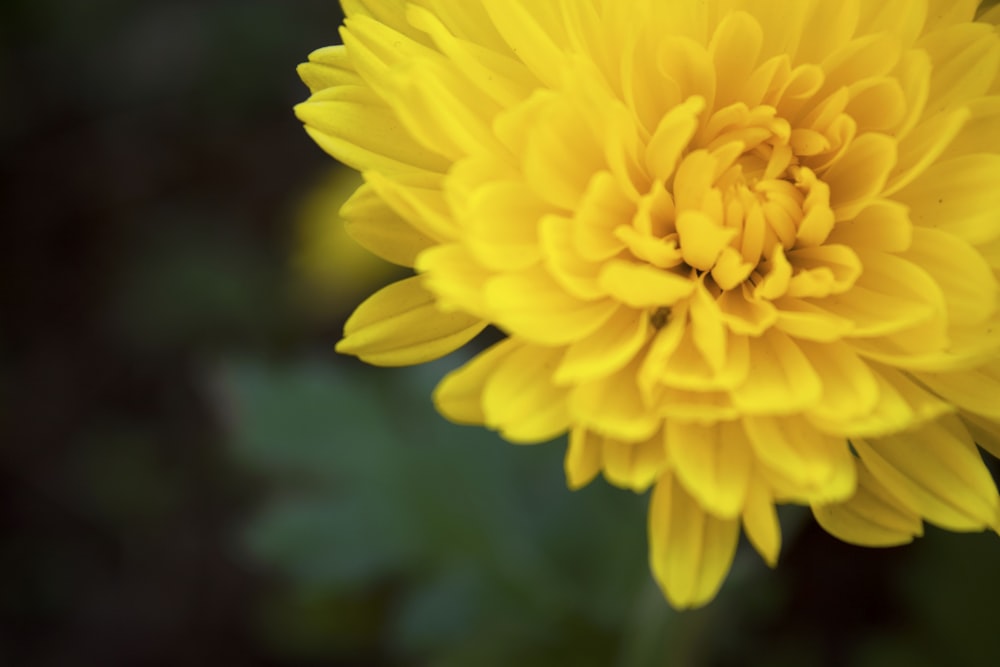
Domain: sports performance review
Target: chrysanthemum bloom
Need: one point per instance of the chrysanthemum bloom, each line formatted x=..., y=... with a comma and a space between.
x=743, y=252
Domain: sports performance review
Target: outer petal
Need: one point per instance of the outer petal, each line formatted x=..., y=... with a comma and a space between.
x=373, y=224
x=760, y=520
x=634, y=465
x=975, y=390
x=328, y=67
x=520, y=400
x=508, y=388
x=583, y=457
x=690, y=550
x=985, y=431
x=459, y=396
x=900, y=404
x=872, y=517
x=816, y=466
x=958, y=196
x=937, y=472
x=354, y=126
x=400, y=325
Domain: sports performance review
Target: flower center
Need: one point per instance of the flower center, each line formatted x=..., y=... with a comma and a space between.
x=739, y=195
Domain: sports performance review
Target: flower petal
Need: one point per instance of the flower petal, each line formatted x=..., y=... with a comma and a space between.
x=969, y=288
x=965, y=57
x=502, y=228
x=401, y=325
x=374, y=225
x=872, y=517
x=531, y=304
x=328, y=67
x=642, y=285
x=860, y=174
x=614, y=406
x=976, y=390
x=823, y=270
x=634, y=465
x=883, y=225
x=536, y=39
x=713, y=462
x=455, y=277
x=818, y=466
x=850, y=388
x=783, y=381
x=459, y=395
x=760, y=520
x=521, y=401
x=340, y=120
x=958, y=196
x=891, y=295
x=583, y=457
x=606, y=350
x=575, y=274
x=981, y=133
x=690, y=550
x=901, y=404
x=937, y=472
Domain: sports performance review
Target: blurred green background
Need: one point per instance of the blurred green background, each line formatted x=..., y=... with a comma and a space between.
x=190, y=476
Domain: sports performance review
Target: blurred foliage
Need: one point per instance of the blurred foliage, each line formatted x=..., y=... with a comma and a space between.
x=489, y=559
x=422, y=542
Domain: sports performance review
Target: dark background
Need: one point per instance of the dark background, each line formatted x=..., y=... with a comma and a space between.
x=190, y=476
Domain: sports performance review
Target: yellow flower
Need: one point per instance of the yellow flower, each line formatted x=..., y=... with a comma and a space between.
x=744, y=252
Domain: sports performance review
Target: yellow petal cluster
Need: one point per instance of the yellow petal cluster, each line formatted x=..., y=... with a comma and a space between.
x=743, y=252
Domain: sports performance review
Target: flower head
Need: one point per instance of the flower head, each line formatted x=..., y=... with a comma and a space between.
x=743, y=252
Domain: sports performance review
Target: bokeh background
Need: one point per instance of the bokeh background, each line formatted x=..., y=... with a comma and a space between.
x=190, y=476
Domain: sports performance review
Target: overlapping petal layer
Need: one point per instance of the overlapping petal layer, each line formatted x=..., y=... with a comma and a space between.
x=743, y=254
